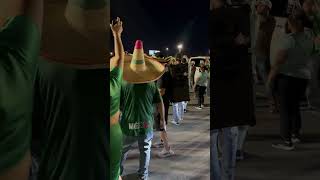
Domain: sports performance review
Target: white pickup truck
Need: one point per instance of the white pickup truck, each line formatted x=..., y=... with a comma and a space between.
x=197, y=61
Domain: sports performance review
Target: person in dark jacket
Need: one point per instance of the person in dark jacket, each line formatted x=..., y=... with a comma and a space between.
x=232, y=83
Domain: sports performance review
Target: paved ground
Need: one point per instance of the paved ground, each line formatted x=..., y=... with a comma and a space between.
x=190, y=142
x=266, y=163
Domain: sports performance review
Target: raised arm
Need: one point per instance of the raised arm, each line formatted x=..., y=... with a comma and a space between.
x=117, y=29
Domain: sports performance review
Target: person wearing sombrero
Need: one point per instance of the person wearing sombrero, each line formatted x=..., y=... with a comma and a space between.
x=20, y=38
x=139, y=94
x=71, y=91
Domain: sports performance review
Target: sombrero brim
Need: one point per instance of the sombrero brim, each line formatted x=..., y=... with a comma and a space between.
x=58, y=33
x=154, y=70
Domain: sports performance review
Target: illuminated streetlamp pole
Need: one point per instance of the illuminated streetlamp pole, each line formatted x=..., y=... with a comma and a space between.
x=180, y=46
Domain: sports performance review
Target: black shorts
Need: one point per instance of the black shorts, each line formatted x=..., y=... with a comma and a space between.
x=156, y=124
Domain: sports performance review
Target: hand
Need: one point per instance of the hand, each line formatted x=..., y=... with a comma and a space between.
x=116, y=26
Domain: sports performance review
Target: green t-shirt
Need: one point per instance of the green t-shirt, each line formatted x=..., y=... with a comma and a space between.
x=70, y=123
x=19, y=49
x=115, y=90
x=203, y=79
x=137, y=107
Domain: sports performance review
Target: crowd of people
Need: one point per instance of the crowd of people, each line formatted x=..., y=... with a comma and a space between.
x=51, y=108
x=239, y=49
x=53, y=103
x=142, y=90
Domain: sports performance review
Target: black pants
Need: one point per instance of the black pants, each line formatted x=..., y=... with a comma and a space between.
x=201, y=92
x=290, y=91
x=166, y=103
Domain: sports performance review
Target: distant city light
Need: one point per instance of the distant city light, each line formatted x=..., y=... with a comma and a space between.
x=153, y=52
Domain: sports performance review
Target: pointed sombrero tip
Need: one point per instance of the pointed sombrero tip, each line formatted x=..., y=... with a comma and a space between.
x=139, y=44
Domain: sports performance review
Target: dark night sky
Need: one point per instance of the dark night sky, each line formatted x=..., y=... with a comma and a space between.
x=164, y=23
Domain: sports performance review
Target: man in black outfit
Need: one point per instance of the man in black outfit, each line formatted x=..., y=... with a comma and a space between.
x=232, y=83
x=165, y=86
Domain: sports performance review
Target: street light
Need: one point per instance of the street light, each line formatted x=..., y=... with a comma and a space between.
x=167, y=49
x=180, y=46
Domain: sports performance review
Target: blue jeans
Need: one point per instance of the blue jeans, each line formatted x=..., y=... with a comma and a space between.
x=144, y=143
x=242, y=134
x=224, y=170
x=185, y=104
x=34, y=168
x=178, y=111
x=262, y=67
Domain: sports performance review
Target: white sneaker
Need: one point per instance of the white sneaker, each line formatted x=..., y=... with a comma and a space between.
x=198, y=107
x=175, y=123
x=164, y=153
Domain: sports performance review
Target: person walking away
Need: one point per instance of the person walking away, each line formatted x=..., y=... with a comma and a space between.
x=20, y=39
x=201, y=82
x=193, y=71
x=180, y=92
x=312, y=11
x=138, y=96
x=266, y=26
x=290, y=74
x=232, y=84
x=163, y=84
x=185, y=62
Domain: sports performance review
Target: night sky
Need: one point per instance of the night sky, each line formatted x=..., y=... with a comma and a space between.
x=164, y=23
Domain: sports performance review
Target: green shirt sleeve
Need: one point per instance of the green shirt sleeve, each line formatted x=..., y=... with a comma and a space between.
x=21, y=35
x=90, y=4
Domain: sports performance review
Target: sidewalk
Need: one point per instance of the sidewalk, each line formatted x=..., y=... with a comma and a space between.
x=267, y=163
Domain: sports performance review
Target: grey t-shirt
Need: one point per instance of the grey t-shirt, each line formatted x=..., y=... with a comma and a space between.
x=299, y=47
x=203, y=79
